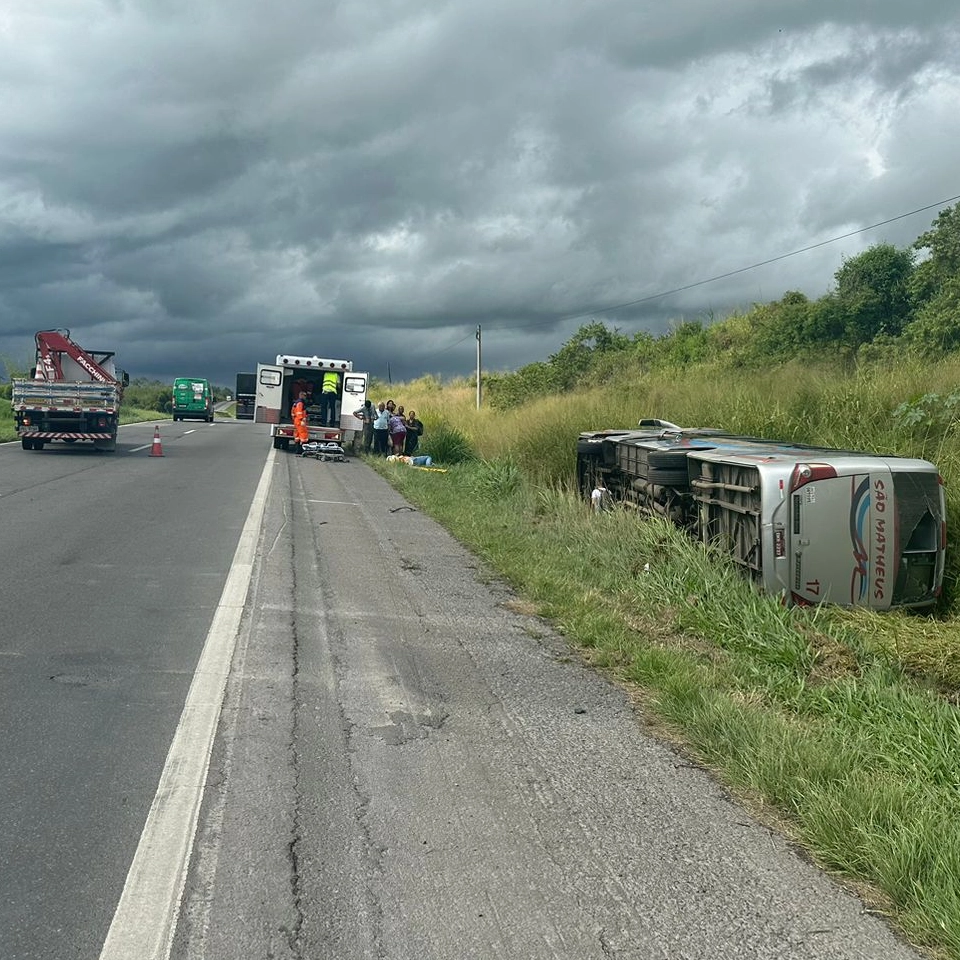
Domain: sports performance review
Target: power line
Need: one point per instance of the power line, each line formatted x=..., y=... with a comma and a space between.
x=456, y=343
x=733, y=273
x=697, y=283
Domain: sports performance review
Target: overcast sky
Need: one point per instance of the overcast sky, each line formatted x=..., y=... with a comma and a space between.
x=203, y=184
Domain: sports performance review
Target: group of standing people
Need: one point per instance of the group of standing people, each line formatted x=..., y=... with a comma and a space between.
x=388, y=429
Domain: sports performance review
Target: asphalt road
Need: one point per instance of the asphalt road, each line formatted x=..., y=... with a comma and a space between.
x=113, y=565
x=406, y=765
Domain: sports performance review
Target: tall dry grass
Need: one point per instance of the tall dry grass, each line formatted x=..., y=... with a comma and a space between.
x=842, y=722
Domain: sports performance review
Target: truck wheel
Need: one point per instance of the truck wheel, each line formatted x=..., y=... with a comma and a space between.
x=26, y=444
x=105, y=446
x=276, y=443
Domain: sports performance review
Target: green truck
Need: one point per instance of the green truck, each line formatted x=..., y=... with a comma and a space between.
x=192, y=399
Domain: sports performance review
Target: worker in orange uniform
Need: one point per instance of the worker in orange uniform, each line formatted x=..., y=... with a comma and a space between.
x=300, y=432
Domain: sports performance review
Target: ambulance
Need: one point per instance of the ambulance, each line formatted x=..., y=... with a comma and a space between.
x=279, y=384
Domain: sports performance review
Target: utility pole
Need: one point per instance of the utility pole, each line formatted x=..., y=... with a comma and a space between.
x=478, y=367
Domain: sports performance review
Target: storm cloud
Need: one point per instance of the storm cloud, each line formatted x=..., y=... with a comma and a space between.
x=203, y=185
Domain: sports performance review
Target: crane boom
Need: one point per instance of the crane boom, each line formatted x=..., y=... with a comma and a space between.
x=53, y=344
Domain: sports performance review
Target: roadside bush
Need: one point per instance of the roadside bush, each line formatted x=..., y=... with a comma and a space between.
x=148, y=395
x=449, y=445
x=931, y=413
x=496, y=479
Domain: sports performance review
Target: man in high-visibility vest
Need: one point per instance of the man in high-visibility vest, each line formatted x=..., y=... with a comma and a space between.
x=328, y=398
x=299, y=411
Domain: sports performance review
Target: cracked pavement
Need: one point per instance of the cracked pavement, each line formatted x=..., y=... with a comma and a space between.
x=407, y=768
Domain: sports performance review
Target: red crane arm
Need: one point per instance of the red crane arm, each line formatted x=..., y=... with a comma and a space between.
x=52, y=344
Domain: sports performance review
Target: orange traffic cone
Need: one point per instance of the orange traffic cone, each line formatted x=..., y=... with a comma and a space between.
x=156, y=450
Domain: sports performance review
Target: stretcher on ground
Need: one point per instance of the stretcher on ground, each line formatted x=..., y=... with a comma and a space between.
x=323, y=451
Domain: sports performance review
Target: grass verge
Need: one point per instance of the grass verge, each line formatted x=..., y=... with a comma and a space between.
x=822, y=720
x=8, y=427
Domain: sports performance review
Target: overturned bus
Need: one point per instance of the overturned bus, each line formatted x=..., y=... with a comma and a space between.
x=810, y=524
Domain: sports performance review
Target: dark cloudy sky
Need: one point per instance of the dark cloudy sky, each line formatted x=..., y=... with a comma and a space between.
x=202, y=184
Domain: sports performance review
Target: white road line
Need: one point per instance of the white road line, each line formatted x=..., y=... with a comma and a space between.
x=146, y=916
x=146, y=446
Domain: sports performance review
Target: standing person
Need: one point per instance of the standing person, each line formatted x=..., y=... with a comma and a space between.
x=398, y=432
x=306, y=388
x=600, y=498
x=381, y=430
x=299, y=413
x=414, y=433
x=367, y=414
x=329, y=390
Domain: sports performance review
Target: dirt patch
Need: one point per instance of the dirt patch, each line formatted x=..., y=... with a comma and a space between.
x=832, y=660
x=523, y=607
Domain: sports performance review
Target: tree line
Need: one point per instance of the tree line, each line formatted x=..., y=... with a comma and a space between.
x=140, y=393
x=143, y=394
x=886, y=302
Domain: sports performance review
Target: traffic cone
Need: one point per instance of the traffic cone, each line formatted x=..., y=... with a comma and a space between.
x=156, y=450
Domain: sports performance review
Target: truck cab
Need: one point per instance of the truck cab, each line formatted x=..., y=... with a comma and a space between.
x=246, y=396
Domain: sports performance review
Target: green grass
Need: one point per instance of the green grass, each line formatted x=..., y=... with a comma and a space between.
x=8, y=429
x=839, y=726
